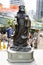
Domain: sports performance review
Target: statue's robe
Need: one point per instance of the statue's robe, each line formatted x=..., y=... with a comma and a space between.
x=21, y=30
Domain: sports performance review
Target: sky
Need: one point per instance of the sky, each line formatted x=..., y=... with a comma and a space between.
x=5, y=3
x=30, y=4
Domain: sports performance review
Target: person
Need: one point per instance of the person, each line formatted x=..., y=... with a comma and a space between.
x=10, y=31
x=0, y=36
x=35, y=39
x=3, y=32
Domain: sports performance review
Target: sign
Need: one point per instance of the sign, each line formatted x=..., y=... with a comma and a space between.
x=11, y=8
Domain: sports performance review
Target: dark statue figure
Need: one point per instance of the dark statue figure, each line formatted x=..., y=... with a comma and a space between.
x=21, y=29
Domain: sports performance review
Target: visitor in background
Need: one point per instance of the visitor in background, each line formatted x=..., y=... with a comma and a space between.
x=3, y=32
x=10, y=32
x=3, y=37
x=35, y=39
x=0, y=35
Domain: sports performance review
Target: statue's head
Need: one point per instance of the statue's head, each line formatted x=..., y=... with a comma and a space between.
x=22, y=8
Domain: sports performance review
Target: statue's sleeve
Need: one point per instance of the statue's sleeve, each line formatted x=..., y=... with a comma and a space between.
x=29, y=23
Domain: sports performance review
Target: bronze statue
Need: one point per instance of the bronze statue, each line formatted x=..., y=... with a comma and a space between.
x=21, y=28
x=20, y=45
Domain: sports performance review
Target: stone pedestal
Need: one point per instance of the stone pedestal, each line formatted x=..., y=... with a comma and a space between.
x=17, y=56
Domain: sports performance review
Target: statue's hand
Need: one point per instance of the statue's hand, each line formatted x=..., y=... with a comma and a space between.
x=23, y=37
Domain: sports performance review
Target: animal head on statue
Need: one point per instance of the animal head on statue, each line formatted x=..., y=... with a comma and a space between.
x=22, y=8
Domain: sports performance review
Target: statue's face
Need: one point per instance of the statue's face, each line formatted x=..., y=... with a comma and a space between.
x=22, y=8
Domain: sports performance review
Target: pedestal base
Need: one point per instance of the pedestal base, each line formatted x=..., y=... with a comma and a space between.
x=15, y=56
